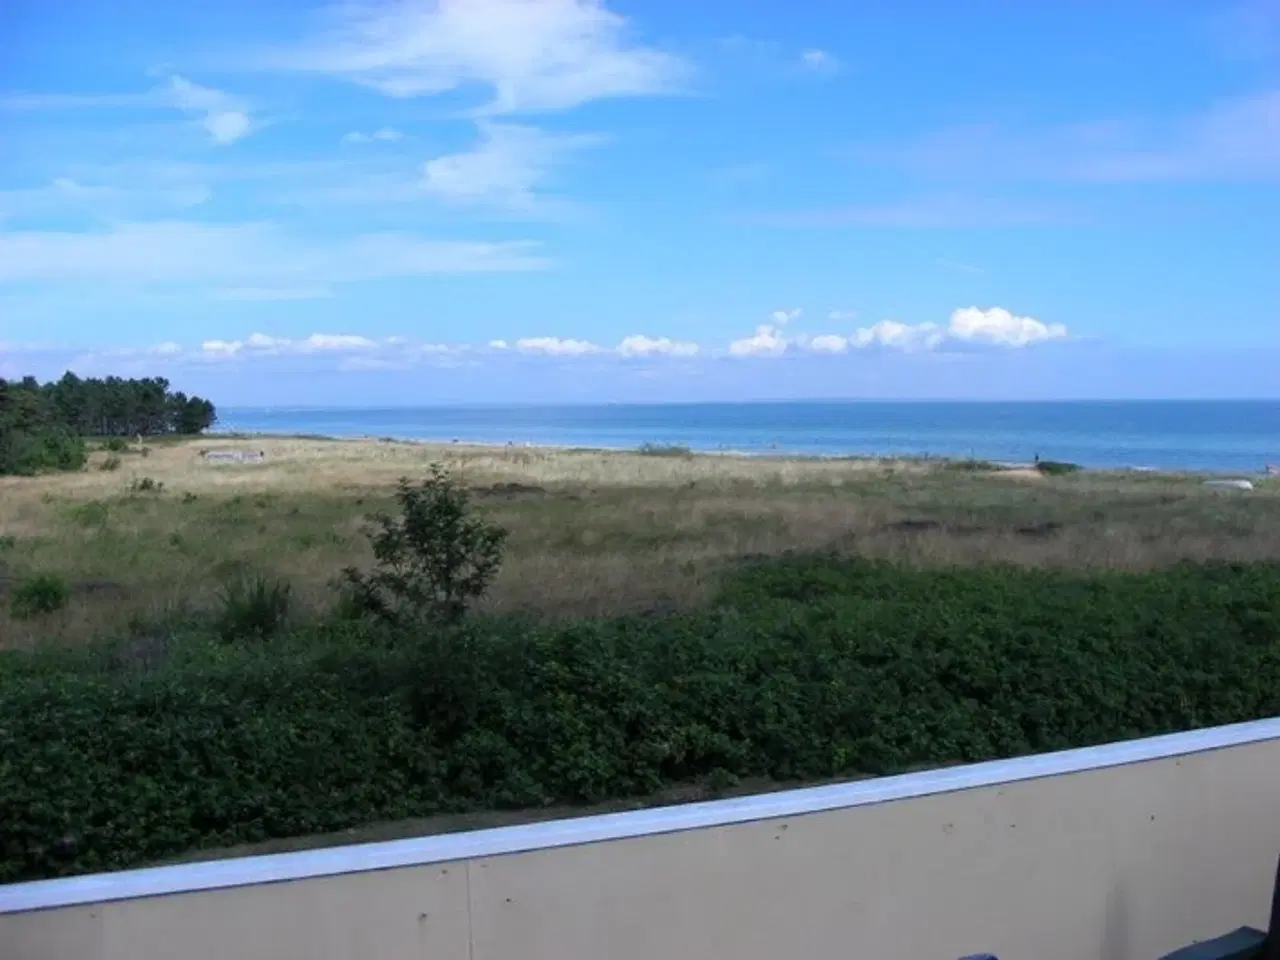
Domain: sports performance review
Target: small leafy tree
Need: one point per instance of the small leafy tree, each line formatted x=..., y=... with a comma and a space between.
x=433, y=560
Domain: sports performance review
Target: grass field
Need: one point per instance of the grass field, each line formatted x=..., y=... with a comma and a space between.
x=592, y=532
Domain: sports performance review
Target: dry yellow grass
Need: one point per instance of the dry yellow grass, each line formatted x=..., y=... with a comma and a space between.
x=592, y=532
x=312, y=465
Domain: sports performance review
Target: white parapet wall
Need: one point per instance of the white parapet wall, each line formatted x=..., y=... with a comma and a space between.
x=1121, y=852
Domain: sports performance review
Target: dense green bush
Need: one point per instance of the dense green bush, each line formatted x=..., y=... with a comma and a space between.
x=29, y=452
x=802, y=669
x=38, y=596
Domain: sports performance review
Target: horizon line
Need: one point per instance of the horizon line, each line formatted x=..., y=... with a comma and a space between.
x=481, y=404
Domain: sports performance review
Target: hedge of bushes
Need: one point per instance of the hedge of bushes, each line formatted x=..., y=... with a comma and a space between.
x=801, y=669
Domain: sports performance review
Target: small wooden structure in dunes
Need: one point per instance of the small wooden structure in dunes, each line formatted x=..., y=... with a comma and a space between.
x=234, y=456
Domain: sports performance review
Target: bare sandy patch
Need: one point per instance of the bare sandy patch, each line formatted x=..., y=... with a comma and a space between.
x=1019, y=473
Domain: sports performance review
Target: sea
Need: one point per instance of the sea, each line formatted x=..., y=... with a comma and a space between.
x=1213, y=436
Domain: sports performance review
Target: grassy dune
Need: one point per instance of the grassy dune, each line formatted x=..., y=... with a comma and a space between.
x=592, y=532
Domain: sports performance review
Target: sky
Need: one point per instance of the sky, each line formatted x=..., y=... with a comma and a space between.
x=458, y=201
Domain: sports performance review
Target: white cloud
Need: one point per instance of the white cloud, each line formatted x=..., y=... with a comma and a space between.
x=766, y=341
x=399, y=352
x=819, y=61
x=968, y=325
x=224, y=117
x=222, y=348
x=260, y=344
x=533, y=54
x=384, y=135
x=638, y=345
x=999, y=326
x=505, y=169
x=332, y=341
x=783, y=317
x=779, y=59
x=901, y=336
x=242, y=255
x=993, y=327
x=829, y=343
x=555, y=346
x=841, y=316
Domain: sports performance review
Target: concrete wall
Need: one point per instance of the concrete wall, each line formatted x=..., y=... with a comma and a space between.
x=1121, y=852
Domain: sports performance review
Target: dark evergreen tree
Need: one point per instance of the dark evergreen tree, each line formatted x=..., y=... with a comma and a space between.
x=42, y=426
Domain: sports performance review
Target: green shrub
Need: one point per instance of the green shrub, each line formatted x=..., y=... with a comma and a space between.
x=94, y=513
x=8, y=542
x=432, y=561
x=38, y=596
x=665, y=450
x=27, y=453
x=1055, y=468
x=254, y=608
x=146, y=485
x=803, y=669
x=110, y=463
x=115, y=444
x=969, y=466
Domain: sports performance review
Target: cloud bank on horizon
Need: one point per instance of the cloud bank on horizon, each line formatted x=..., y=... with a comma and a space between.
x=470, y=184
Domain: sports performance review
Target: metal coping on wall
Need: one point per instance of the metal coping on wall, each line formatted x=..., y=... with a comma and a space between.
x=419, y=851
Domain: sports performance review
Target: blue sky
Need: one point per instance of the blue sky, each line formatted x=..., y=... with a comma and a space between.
x=544, y=200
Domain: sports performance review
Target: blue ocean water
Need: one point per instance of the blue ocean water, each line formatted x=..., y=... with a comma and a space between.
x=1228, y=436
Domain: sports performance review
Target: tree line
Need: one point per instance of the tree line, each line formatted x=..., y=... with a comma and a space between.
x=43, y=426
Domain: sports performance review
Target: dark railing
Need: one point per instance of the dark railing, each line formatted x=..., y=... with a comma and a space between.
x=1246, y=943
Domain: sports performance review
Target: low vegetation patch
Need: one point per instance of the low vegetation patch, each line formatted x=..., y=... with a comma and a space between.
x=146, y=485
x=253, y=607
x=799, y=669
x=665, y=450
x=38, y=596
x=969, y=465
x=1056, y=468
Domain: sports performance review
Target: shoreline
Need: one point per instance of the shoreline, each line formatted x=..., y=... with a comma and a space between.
x=678, y=450
x=658, y=449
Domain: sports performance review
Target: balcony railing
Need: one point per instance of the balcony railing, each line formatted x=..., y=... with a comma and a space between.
x=1128, y=851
